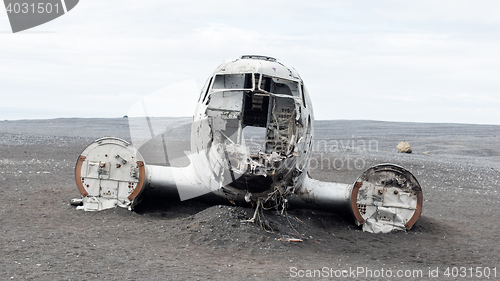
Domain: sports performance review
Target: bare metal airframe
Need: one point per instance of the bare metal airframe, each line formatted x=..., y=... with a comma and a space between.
x=250, y=91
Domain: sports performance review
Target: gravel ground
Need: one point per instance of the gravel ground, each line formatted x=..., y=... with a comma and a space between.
x=44, y=238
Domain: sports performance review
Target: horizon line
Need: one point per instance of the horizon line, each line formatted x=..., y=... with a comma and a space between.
x=364, y=120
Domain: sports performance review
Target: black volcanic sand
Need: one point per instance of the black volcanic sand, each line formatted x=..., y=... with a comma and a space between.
x=45, y=238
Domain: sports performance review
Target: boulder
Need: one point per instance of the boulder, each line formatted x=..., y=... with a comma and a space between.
x=404, y=147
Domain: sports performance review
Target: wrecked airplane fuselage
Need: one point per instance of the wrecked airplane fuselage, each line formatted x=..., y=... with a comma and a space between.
x=257, y=95
x=261, y=94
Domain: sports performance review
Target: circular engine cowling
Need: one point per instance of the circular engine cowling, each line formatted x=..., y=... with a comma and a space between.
x=386, y=197
x=110, y=172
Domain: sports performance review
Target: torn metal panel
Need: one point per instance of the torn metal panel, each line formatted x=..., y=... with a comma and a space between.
x=226, y=101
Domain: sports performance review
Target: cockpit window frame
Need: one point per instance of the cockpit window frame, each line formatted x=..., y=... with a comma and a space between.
x=234, y=89
x=210, y=89
x=256, y=86
x=302, y=92
x=209, y=86
x=274, y=78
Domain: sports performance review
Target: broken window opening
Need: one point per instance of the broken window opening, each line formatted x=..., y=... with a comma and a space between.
x=303, y=95
x=231, y=133
x=240, y=81
x=281, y=128
x=255, y=139
x=278, y=86
x=256, y=110
x=208, y=89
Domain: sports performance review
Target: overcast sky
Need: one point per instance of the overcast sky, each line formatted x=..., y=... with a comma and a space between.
x=418, y=61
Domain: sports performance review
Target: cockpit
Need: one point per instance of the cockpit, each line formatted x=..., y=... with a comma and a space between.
x=255, y=100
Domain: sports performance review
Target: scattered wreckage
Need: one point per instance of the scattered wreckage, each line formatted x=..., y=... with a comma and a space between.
x=249, y=92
